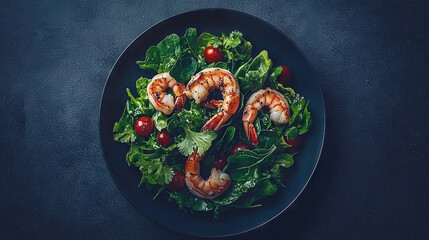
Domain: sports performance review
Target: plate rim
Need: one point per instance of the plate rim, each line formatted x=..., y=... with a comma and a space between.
x=323, y=119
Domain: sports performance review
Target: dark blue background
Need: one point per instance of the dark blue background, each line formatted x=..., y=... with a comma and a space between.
x=372, y=60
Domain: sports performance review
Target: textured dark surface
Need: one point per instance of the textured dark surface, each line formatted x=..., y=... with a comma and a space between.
x=372, y=60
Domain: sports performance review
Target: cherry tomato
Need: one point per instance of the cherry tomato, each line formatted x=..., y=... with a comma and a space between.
x=164, y=138
x=295, y=143
x=178, y=181
x=220, y=162
x=212, y=54
x=143, y=126
x=239, y=146
x=284, y=77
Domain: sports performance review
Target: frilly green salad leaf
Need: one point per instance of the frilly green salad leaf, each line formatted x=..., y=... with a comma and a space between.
x=256, y=173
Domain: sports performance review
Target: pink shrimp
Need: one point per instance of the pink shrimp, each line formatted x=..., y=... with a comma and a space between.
x=198, y=88
x=277, y=105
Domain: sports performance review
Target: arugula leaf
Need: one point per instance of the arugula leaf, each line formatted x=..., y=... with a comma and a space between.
x=241, y=166
x=200, y=140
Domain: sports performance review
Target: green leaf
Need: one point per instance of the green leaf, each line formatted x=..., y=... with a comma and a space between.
x=252, y=75
x=159, y=120
x=263, y=189
x=200, y=140
x=241, y=166
x=225, y=140
x=203, y=41
x=141, y=85
x=154, y=172
x=284, y=160
x=272, y=78
x=152, y=59
x=291, y=132
x=184, y=68
x=169, y=52
x=128, y=135
x=191, y=39
x=185, y=199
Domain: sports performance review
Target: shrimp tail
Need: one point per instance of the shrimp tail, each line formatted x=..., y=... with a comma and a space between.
x=180, y=102
x=216, y=121
x=250, y=131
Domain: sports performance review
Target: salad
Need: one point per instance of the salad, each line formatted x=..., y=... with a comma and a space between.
x=215, y=126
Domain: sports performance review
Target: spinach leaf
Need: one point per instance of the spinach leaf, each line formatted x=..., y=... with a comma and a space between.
x=220, y=144
x=263, y=189
x=252, y=75
x=169, y=52
x=184, y=68
x=152, y=59
x=185, y=199
x=163, y=56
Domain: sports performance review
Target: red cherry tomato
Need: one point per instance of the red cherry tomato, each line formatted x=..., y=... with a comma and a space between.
x=284, y=77
x=164, y=138
x=295, y=143
x=178, y=181
x=239, y=146
x=143, y=126
x=212, y=54
x=220, y=162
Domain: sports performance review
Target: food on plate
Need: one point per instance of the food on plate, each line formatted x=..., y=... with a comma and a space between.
x=277, y=106
x=211, y=116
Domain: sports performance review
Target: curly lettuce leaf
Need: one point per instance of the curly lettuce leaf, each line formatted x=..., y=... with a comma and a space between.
x=141, y=85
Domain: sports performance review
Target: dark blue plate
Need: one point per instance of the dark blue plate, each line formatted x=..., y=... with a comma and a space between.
x=124, y=75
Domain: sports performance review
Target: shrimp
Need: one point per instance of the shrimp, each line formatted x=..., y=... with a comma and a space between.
x=209, y=80
x=160, y=99
x=198, y=88
x=277, y=105
x=214, y=186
